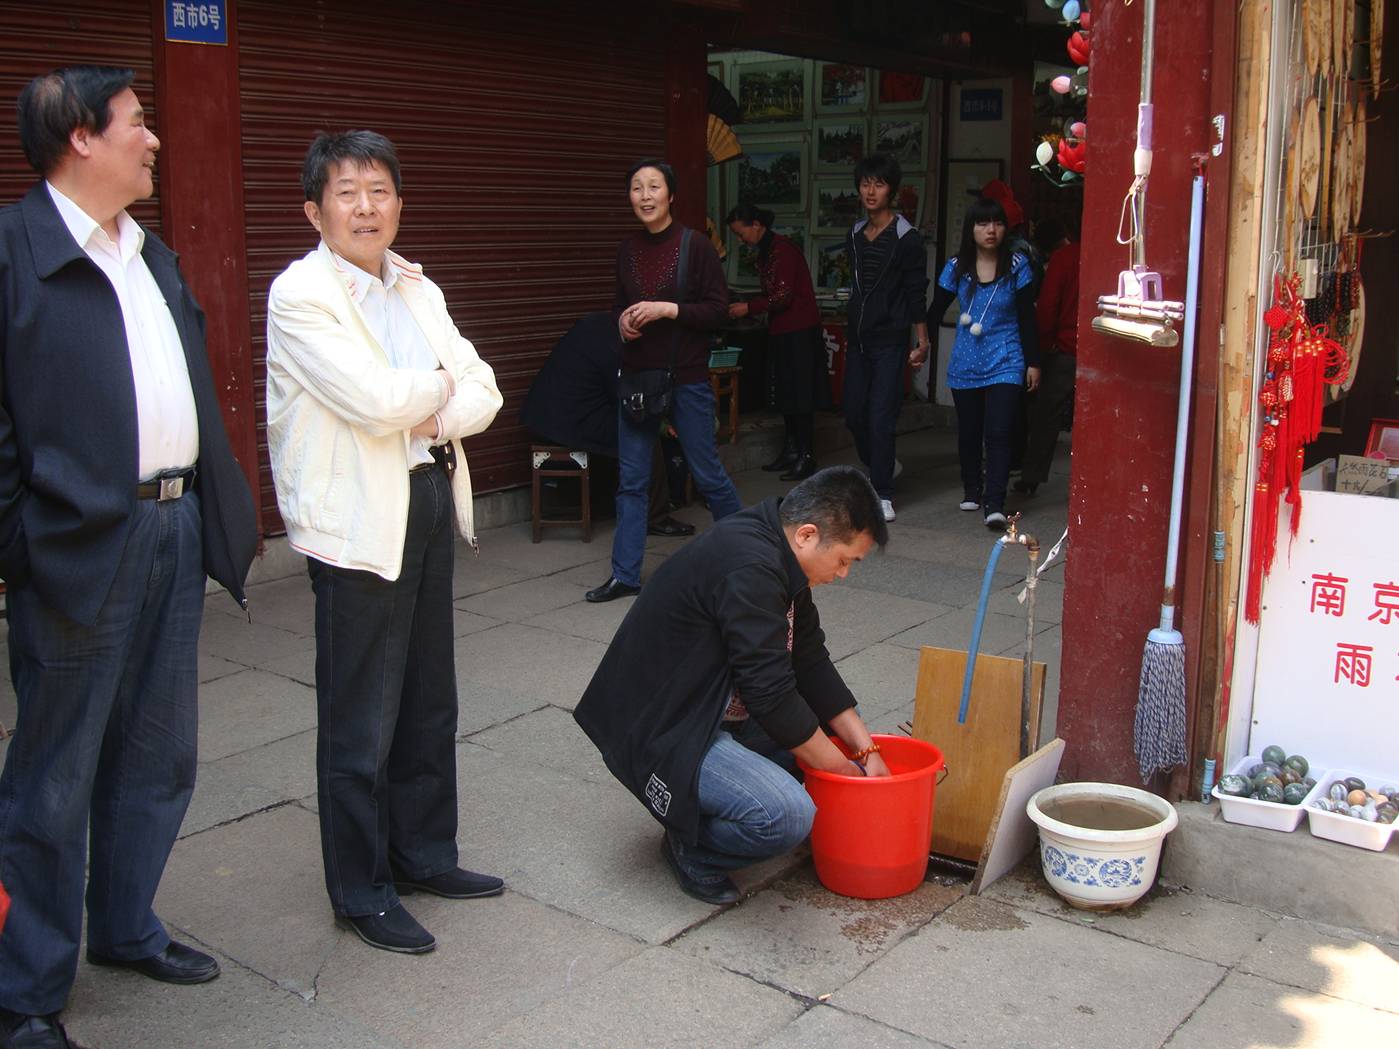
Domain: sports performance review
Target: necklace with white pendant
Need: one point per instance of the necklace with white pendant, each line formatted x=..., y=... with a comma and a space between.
x=965, y=320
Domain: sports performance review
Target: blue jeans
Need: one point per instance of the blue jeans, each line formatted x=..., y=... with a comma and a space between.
x=751, y=806
x=872, y=396
x=105, y=744
x=986, y=415
x=386, y=712
x=693, y=416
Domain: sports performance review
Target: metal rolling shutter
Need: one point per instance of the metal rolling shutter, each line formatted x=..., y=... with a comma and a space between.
x=39, y=36
x=515, y=124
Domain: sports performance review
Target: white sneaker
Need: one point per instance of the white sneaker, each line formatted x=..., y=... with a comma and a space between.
x=968, y=504
x=996, y=521
x=898, y=469
x=888, y=507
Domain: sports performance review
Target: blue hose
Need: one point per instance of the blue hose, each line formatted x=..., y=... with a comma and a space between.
x=976, y=631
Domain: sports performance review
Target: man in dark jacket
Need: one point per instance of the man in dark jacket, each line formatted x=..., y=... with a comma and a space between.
x=887, y=304
x=719, y=674
x=119, y=493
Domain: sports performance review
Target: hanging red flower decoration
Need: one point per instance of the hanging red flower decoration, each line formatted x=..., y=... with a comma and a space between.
x=1078, y=48
x=1073, y=155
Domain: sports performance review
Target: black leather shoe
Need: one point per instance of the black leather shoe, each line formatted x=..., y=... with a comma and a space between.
x=670, y=526
x=176, y=964
x=610, y=591
x=719, y=892
x=37, y=1032
x=457, y=884
x=393, y=930
x=801, y=469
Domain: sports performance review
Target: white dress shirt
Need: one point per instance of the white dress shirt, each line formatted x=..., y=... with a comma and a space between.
x=166, y=424
x=398, y=334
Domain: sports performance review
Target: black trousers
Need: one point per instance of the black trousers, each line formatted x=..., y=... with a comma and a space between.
x=986, y=416
x=1048, y=408
x=386, y=700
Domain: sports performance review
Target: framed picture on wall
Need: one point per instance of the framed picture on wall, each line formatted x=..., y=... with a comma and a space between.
x=841, y=88
x=772, y=173
x=773, y=94
x=909, y=200
x=743, y=260
x=901, y=91
x=964, y=181
x=840, y=143
x=905, y=137
x=836, y=207
x=830, y=265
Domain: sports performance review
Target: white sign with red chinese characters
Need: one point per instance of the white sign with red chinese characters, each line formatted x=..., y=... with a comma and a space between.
x=1328, y=641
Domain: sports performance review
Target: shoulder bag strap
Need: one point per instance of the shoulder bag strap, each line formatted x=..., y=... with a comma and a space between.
x=681, y=271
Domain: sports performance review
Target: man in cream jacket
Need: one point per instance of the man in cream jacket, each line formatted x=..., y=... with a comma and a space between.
x=370, y=389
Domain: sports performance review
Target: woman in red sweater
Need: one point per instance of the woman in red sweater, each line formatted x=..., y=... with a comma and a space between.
x=797, y=383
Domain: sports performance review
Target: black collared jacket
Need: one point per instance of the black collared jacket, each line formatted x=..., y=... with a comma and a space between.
x=730, y=611
x=68, y=438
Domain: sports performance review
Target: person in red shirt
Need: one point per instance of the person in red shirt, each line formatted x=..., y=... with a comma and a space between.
x=796, y=351
x=1056, y=315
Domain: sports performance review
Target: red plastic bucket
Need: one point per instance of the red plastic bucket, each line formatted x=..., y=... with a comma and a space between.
x=870, y=838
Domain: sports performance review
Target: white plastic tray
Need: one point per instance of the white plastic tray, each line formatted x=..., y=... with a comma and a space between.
x=1347, y=829
x=1270, y=815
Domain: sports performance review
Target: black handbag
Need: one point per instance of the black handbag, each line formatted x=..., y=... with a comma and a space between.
x=649, y=393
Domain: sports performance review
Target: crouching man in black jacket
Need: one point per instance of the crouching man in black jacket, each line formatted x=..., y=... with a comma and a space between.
x=719, y=675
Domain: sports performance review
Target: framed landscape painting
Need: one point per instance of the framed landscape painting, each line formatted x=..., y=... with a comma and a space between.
x=902, y=91
x=837, y=205
x=831, y=265
x=839, y=143
x=771, y=174
x=841, y=88
x=773, y=94
x=905, y=138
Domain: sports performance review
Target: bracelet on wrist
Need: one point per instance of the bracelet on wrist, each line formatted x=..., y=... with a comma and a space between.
x=860, y=756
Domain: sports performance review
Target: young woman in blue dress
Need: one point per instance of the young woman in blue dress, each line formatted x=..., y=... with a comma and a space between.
x=994, y=355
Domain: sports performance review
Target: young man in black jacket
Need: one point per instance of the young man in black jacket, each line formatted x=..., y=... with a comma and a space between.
x=719, y=674
x=887, y=302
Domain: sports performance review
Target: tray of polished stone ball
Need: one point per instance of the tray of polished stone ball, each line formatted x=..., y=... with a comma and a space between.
x=1267, y=790
x=1355, y=809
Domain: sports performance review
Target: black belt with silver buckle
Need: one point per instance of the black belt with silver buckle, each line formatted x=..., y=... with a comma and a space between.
x=443, y=455
x=167, y=486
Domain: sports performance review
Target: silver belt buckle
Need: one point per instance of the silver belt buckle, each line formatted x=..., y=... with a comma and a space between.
x=171, y=488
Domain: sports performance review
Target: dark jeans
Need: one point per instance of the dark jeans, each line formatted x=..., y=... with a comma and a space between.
x=105, y=745
x=872, y=397
x=986, y=415
x=1050, y=405
x=386, y=704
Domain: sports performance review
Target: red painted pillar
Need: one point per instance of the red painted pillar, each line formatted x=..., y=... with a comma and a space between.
x=687, y=113
x=1124, y=421
x=201, y=196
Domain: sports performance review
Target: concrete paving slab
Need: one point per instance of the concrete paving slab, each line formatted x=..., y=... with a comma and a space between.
x=594, y=573
x=496, y=959
x=512, y=547
x=472, y=575
x=519, y=601
x=289, y=604
x=803, y=938
x=555, y=668
x=937, y=582
x=854, y=618
x=987, y=976
x=250, y=709
x=1331, y=961
x=947, y=540
x=548, y=737
x=254, y=889
x=634, y=1006
x=1000, y=634
x=252, y=780
x=884, y=679
x=822, y=1027
x=464, y=622
x=251, y=644
x=593, y=622
x=479, y=706
x=211, y=668
x=1187, y=923
x=1049, y=600
x=299, y=667
x=1246, y=1012
x=239, y=1010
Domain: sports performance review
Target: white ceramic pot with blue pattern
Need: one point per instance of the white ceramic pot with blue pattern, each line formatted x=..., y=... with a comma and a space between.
x=1100, y=843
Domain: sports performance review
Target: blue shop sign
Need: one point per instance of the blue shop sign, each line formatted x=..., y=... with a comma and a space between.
x=196, y=21
x=981, y=103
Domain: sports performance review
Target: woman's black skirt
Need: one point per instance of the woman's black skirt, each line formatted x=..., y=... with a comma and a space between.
x=797, y=378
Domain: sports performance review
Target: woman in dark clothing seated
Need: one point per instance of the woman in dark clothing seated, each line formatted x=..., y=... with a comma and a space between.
x=796, y=351
x=664, y=327
x=994, y=352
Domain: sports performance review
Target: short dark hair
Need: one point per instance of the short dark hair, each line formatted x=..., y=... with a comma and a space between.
x=749, y=214
x=51, y=107
x=667, y=172
x=879, y=166
x=840, y=502
x=333, y=147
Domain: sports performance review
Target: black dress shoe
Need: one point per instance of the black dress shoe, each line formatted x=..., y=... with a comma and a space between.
x=719, y=891
x=37, y=1032
x=610, y=591
x=176, y=964
x=393, y=930
x=801, y=469
x=456, y=884
x=669, y=526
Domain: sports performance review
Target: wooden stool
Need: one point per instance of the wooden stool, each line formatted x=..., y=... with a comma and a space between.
x=724, y=383
x=547, y=460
